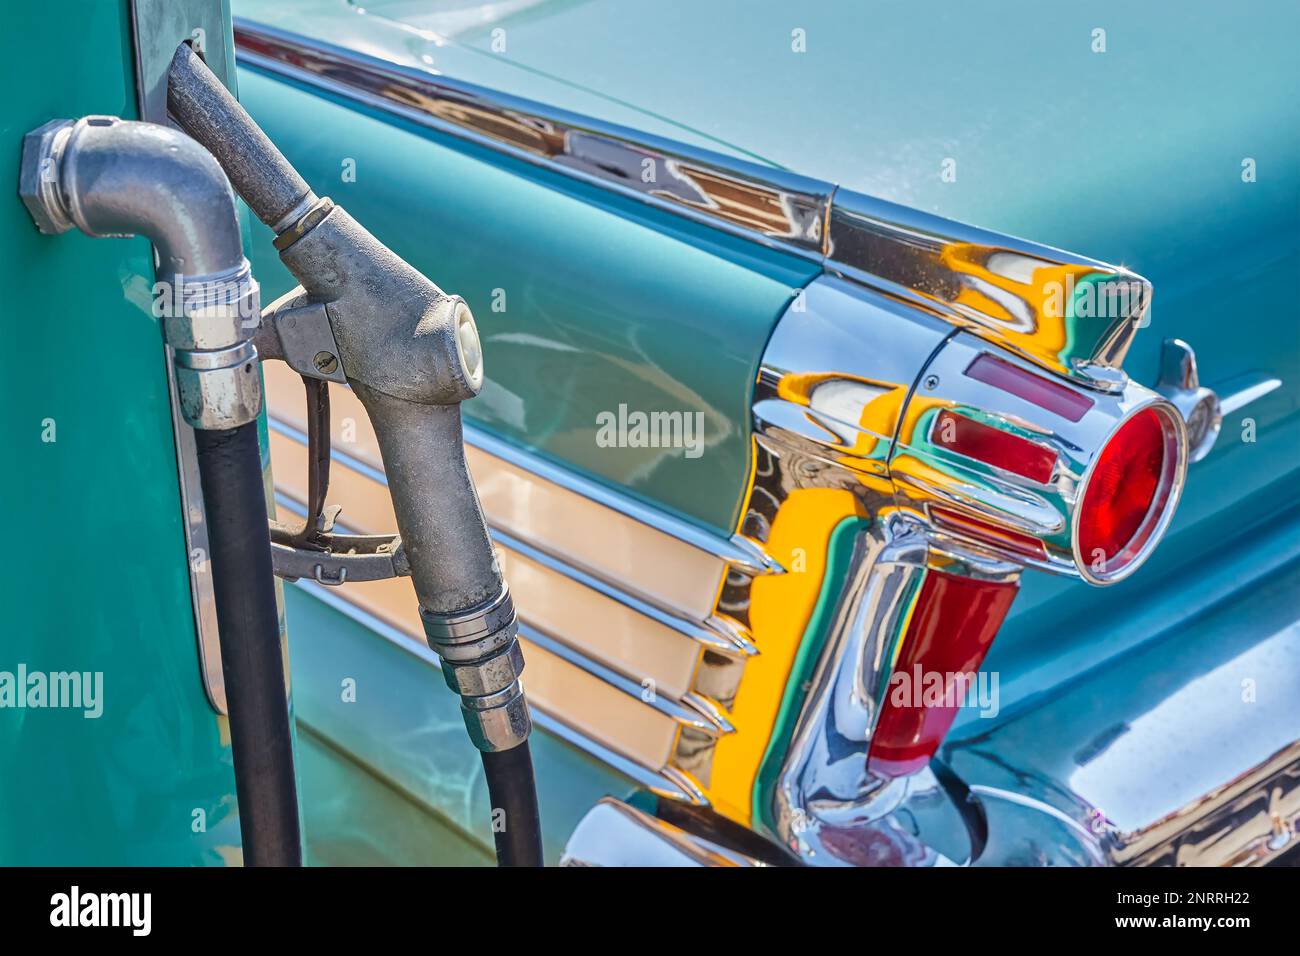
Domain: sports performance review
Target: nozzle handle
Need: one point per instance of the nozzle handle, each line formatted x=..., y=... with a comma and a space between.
x=453, y=563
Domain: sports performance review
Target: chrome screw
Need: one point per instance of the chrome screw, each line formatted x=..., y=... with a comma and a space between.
x=932, y=382
x=325, y=362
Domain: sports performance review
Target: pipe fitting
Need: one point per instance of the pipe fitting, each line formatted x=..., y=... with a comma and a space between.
x=219, y=389
x=485, y=677
x=474, y=634
x=500, y=722
x=482, y=662
x=38, y=177
x=111, y=178
x=209, y=312
x=208, y=321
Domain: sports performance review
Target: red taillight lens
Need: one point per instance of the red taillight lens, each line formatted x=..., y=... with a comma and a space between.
x=952, y=626
x=985, y=443
x=1125, y=485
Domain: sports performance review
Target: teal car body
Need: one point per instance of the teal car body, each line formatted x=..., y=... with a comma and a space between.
x=1096, y=151
x=1140, y=145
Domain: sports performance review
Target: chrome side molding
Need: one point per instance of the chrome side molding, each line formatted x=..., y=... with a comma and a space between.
x=1070, y=314
x=618, y=601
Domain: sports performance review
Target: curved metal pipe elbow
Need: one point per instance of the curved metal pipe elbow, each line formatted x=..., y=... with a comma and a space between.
x=113, y=177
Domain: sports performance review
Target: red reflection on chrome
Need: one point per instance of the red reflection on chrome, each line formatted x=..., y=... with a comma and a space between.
x=992, y=445
x=1013, y=541
x=1056, y=398
x=1123, y=486
x=952, y=627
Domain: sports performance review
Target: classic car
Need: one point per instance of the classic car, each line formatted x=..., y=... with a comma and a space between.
x=849, y=520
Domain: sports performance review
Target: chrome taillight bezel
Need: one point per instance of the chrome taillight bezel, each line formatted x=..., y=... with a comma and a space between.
x=1163, y=504
x=942, y=482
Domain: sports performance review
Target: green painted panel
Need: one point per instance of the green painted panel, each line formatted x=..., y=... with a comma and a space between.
x=391, y=712
x=585, y=301
x=352, y=818
x=102, y=586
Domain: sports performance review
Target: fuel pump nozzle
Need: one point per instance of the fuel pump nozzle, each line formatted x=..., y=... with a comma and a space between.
x=411, y=354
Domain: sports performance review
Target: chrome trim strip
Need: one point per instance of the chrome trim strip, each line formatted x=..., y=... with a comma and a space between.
x=738, y=553
x=713, y=634
x=692, y=710
x=1243, y=395
x=157, y=28
x=281, y=427
x=671, y=785
x=782, y=209
x=1040, y=302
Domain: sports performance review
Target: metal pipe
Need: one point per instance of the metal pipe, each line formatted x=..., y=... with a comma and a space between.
x=108, y=177
x=267, y=181
x=411, y=354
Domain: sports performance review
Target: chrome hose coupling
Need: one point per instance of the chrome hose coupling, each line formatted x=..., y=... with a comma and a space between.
x=110, y=177
x=482, y=662
x=209, y=322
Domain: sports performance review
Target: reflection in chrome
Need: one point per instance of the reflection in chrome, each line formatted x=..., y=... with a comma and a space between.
x=1248, y=822
x=1181, y=384
x=594, y=605
x=668, y=783
x=1185, y=774
x=1071, y=315
x=1046, y=510
x=783, y=208
x=1066, y=313
x=849, y=395
x=612, y=833
x=828, y=804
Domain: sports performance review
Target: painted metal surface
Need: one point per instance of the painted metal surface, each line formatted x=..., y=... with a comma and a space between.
x=893, y=145
x=560, y=341
x=854, y=112
x=389, y=726
x=104, y=584
x=1196, y=729
x=1069, y=314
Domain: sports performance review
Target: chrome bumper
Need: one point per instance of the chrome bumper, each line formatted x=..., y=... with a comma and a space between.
x=616, y=834
x=1181, y=752
x=1248, y=822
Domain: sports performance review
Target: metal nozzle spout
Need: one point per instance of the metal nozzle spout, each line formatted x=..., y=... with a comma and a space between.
x=206, y=110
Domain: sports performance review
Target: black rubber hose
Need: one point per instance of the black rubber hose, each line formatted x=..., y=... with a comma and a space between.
x=230, y=471
x=516, y=826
